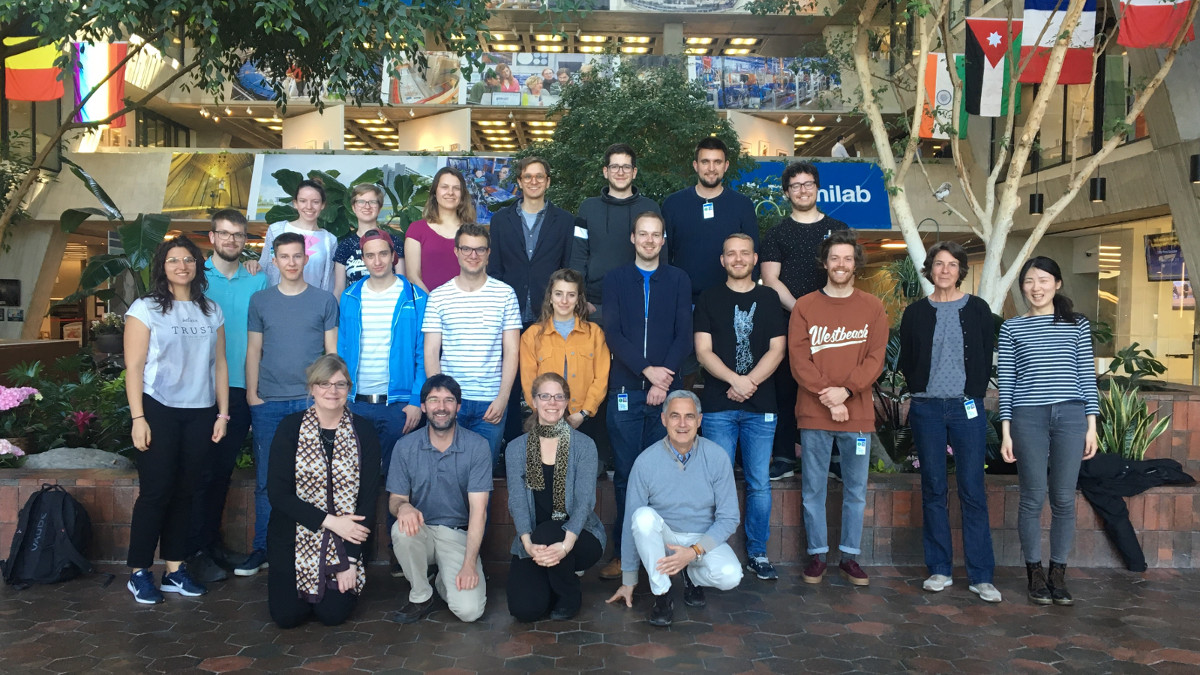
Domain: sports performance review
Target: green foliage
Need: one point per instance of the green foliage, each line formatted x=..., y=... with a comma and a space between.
x=407, y=196
x=83, y=405
x=1127, y=427
x=1136, y=364
x=1102, y=332
x=654, y=109
x=891, y=397
x=14, y=162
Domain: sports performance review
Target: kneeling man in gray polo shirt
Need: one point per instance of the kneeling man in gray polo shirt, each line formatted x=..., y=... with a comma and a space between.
x=440, y=480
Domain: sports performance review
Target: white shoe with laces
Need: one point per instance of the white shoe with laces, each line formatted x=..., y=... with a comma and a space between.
x=937, y=583
x=986, y=592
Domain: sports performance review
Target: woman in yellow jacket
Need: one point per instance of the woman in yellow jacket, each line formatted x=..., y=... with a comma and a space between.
x=563, y=341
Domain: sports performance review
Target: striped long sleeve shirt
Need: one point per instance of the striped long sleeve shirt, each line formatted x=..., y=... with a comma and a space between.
x=1042, y=362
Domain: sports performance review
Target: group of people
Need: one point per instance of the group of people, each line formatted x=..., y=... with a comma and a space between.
x=366, y=362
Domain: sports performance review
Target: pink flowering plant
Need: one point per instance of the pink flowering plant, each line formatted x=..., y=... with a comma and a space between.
x=10, y=454
x=17, y=404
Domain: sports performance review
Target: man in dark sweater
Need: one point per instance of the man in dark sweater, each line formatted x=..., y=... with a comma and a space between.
x=789, y=266
x=604, y=224
x=648, y=327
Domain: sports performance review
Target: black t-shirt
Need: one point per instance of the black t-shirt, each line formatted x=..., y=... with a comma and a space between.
x=742, y=326
x=795, y=246
x=543, y=500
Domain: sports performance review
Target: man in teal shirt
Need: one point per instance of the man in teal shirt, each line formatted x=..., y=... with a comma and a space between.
x=230, y=285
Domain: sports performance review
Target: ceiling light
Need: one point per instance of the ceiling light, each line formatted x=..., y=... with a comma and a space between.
x=349, y=137
x=216, y=119
x=799, y=143
x=634, y=50
x=805, y=136
x=489, y=123
x=699, y=41
x=549, y=48
x=736, y=52
x=249, y=111
x=636, y=39
x=228, y=112
x=541, y=132
x=593, y=38
x=839, y=119
x=808, y=128
x=263, y=120
x=275, y=127
x=696, y=51
x=536, y=123
x=411, y=113
x=506, y=47
x=365, y=121
x=548, y=38
x=812, y=118
x=784, y=120
x=203, y=111
x=590, y=49
x=499, y=37
x=893, y=245
x=743, y=41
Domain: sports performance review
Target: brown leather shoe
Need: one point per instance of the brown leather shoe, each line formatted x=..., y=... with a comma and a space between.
x=612, y=570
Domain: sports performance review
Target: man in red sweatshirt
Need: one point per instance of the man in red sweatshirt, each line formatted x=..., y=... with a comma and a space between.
x=837, y=338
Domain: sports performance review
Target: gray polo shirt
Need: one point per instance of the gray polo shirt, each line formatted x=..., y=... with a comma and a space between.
x=436, y=482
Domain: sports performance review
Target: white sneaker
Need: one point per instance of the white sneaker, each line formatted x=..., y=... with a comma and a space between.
x=937, y=583
x=986, y=592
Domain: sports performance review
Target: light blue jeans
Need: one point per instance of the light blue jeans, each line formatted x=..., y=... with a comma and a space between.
x=816, y=449
x=265, y=418
x=755, y=435
x=470, y=416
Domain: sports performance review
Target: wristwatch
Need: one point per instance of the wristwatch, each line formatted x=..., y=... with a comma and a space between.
x=586, y=415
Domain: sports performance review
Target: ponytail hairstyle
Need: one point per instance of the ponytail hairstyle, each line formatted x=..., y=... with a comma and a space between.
x=1064, y=309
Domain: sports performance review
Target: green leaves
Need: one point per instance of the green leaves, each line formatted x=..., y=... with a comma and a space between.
x=110, y=208
x=1127, y=428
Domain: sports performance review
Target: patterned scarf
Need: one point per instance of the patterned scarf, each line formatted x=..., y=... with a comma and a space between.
x=534, y=478
x=333, y=488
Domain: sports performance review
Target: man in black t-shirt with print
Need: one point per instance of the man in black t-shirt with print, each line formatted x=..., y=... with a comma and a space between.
x=790, y=267
x=740, y=341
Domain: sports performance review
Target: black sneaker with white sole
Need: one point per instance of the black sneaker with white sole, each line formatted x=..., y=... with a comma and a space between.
x=762, y=568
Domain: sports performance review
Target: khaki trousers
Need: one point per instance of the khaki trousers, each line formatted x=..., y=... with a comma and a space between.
x=447, y=547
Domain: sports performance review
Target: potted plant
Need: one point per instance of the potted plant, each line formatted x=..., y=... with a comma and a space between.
x=1127, y=427
x=17, y=424
x=109, y=333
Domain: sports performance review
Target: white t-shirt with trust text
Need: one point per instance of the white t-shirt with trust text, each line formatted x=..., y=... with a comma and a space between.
x=181, y=359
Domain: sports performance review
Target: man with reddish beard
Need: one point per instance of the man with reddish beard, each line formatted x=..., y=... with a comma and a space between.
x=837, y=338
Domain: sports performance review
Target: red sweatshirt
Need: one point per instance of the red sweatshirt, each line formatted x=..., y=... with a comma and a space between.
x=837, y=342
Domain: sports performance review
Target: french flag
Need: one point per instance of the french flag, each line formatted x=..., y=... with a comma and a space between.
x=1153, y=23
x=1043, y=23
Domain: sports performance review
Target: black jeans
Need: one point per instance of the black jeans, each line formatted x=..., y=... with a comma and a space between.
x=168, y=473
x=534, y=590
x=288, y=610
x=786, y=391
x=208, y=506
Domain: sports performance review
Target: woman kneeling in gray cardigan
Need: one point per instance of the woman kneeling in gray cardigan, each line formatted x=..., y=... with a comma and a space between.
x=552, y=497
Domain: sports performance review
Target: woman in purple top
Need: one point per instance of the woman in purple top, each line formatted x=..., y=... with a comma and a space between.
x=429, y=243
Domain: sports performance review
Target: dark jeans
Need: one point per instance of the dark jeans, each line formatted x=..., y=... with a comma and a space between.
x=534, y=590
x=266, y=417
x=936, y=423
x=631, y=431
x=288, y=610
x=786, y=391
x=168, y=472
x=208, y=506
x=1048, y=444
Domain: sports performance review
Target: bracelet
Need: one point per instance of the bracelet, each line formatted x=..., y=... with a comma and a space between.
x=563, y=544
x=139, y=417
x=224, y=417
x=698, y=551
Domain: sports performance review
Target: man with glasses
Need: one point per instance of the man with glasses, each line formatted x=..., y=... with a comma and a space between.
x=366, y=200
x=289, y=326
x=788, y=263
x=604, y=224
x=473, y=333
x=230, y=285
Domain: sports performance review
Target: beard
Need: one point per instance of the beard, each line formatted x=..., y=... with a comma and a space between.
x=449, y=424
x=710, y=185
x=221, y=254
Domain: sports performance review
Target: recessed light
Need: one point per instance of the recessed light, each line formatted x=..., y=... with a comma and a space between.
x=499, y=37
x=699, y=41
x=275, y=127
x=736, y=52
x=549, y=48
x=537, y=123
x=636, y=39
x=263, y=120
x=805, y=136
x=541, y=132
x=634, y=50
x=893, y=245
x=593, y=38
x=489, y=123
x=590, y=49
x=506, y=47
x=696, y=51
x=743, y=41
x=548, y=38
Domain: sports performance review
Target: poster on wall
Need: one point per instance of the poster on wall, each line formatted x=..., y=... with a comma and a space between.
x=767, y=83
x=201, y=183
x=1164, y=258
x=1182, y=296
x=852, y=192
x=408, y=83
x=523, y=79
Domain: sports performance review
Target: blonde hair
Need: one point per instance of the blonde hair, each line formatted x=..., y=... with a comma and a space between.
x=324, y=368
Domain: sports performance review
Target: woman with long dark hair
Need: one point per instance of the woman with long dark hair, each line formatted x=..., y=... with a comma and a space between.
x=552, y=498
x=177, y=385
x=946, y=346
x=1048, y=408
x=429, y=243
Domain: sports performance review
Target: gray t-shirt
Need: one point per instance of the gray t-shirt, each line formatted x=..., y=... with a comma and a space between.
x=436, y=482
x=947, y=370
x=293, y=336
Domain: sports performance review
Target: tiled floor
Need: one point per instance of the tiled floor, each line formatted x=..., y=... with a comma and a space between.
x=1121, y=623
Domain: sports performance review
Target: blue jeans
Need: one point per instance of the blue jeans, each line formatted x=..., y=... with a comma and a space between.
x=470, y=416
x=265, y=418
x=936, y=423
x=729, y=429
x=388, y=421
x=631, y=431
x=817, y=449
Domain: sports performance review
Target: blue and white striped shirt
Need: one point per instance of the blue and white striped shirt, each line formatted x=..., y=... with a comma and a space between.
x=1042, y=362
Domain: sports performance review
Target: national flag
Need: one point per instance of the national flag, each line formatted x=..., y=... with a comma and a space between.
x=92, y=64
x=1152, y=23
x=31, y=76
x=1043, y=24
x=939, y=98
x=991, y=51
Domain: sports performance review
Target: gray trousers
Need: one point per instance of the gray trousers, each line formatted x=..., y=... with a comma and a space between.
x=1048, y=445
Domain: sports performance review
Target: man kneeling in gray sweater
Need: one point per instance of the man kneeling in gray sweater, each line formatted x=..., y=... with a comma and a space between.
x=681, y=500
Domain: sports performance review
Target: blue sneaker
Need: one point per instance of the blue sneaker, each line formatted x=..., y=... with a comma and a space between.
x=257, y=561
x=762, y=568
x=141, y=584
x=181, y=582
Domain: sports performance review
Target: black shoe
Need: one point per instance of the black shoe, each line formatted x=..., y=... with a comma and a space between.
x=414, y=611
x=562, y=613
x=204, y=569
x=1057, y=583
x=227, y=558
x=1039, y=590
x=663, y=611
x=781, y=468
x=693, y=595
x=397, y=571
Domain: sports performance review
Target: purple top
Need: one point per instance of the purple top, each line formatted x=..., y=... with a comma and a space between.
x=439, y=264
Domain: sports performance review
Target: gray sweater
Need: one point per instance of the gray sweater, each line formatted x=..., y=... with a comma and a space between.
x=581, y=490
x=697, y=497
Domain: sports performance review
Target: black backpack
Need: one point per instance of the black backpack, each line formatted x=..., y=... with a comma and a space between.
x=51, y=542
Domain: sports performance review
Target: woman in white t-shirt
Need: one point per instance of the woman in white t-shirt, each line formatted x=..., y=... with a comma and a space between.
x=319, y=244
x=177, y=384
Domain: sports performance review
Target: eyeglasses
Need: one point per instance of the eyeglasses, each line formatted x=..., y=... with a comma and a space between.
x=367, y=202
x=186, y=261
x=620, y=168
x=472, y=250
x=558, y=398
x=226, y=236
x=535, y=178
x=806, y=185
x=340, y=386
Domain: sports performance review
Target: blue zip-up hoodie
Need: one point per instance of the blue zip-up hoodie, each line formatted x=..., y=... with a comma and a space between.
x=664, y=339
x=406, y=374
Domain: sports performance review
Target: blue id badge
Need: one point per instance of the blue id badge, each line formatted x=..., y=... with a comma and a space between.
x=623, y=402
x=860, y=446
x=969, y=406
x=708, y=210
x=769, y=417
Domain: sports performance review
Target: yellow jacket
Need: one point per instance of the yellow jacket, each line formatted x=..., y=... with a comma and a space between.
x=586, y=356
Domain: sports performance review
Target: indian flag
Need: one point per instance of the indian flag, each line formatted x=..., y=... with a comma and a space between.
x=939, y=98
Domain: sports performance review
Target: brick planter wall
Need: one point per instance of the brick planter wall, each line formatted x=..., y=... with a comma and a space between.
x=1168, y=518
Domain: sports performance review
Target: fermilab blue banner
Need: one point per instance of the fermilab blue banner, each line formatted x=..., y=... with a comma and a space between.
x=852, y=192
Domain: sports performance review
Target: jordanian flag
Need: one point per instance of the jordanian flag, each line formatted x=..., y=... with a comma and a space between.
x=991, y=55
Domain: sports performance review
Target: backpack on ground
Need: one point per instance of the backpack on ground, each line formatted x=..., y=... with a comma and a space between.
x=51, y=541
